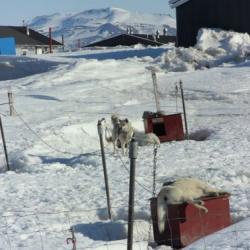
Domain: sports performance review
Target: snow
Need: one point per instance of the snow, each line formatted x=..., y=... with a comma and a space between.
x=177, y=3
x=56, y=180
x=96, y=24
x=214, y=47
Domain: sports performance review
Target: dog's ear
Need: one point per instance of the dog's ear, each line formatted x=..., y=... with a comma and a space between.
x=126, y=120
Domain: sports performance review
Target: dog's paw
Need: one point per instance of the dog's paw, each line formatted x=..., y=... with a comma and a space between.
x=205, y=210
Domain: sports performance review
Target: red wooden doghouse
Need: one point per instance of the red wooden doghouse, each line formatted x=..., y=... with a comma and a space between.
x=186, y=223
x=166, y=127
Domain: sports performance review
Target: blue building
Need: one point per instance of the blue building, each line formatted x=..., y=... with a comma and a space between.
x=27, y=40
x=7, y=46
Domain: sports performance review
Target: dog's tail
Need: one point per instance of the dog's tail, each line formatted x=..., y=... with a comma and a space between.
x=161, y=210
x=156, y=140
x=108, y=135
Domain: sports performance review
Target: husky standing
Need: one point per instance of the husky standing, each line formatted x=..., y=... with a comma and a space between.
x=126, y=133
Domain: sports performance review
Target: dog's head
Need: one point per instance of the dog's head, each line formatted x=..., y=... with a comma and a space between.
x=125, y=125
x=115, y=119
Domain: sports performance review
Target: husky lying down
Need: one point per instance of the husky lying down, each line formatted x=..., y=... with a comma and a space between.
x=146, y=139
x=188, y=190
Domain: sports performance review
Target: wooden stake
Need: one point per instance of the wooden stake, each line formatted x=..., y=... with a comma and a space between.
x=11, y=104
x=156, y=93
x=4, y=145
x=184, y=110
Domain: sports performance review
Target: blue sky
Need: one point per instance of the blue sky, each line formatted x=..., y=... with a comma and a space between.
x=14, y=11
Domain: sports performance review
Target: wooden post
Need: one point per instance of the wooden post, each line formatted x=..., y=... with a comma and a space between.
x=11, y=105
x=184, y=110
x=133, y=151
x=100, y=132
x=156, y=93
x=4, y=145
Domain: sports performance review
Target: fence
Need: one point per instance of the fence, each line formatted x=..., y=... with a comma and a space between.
x=105, y=234
x=46, y=237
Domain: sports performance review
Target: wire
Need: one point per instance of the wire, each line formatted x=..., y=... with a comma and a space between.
x=125, y=167
x=48, y=145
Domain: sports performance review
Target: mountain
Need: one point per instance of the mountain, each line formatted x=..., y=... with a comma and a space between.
x=97, y=24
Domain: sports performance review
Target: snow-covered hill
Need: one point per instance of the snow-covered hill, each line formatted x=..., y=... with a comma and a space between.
x=96, y=24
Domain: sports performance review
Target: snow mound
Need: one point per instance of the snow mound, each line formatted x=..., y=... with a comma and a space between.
x=214, y=47
x=230, y=239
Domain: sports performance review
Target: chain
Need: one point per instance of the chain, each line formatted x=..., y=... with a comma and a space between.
x=72, y=239
x=176, y=96
x=154, y=188
x=154, y=170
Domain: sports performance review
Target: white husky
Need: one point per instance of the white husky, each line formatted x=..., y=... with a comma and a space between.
x=114, y=132
x=188, y=190
x=126, y=133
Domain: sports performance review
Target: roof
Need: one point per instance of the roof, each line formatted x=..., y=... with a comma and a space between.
x=132, y=39
x=176, y=3
x=20, y=34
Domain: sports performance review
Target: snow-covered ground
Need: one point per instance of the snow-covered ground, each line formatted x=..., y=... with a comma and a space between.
x=57, y=179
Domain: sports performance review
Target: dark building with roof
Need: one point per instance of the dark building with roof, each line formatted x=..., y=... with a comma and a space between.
x=191, y=15
x=28, y=40
x=133, y=39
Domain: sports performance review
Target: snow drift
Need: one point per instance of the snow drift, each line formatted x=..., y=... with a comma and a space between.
x=214, y=47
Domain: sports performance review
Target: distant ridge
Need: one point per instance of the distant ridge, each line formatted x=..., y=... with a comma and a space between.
x=96, y=24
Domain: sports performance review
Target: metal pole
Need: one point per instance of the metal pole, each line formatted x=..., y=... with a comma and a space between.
x=133, y=151
x=100, y=132
x=184, y=110
x=50, y=40
x=4, y=145
x=63, y=41
x=156, y=93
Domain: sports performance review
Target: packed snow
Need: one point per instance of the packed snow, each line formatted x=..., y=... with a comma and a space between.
x=96, y=24
x=56, y=178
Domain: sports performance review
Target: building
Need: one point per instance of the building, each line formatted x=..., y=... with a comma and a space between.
x=191, y=15
x=7, y=46
x=28, y=40
x=133, y=39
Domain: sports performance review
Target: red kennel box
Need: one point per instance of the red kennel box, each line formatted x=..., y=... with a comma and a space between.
x=187, y=223
x=166, y=127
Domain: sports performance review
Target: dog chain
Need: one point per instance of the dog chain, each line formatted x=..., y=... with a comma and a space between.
x=154, y=188
x=72, y=239
x=154, y=170
x=176, y=96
